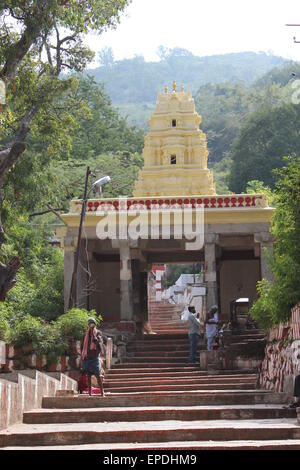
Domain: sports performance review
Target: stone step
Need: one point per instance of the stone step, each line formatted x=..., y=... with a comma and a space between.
x=179, y=381
x=159, y=399
x=161, y=313
x=162, y=316
x=180, y=387
x=243, y=337
x=276, y=444
x=169, y=337
x=157, y=347
x=169, y=332
x=158, y=353
x=157, y=360
x=178, y=376
x=159, y=342
x=189, y=413
x=149, y=368
x=148, y=432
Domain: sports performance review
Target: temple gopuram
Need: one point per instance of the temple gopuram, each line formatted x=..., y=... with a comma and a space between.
x=113, y=273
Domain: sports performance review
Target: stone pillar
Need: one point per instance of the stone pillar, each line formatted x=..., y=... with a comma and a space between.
x=126, y=292
x=211, y=241
x=158, y=276
x=265, y=240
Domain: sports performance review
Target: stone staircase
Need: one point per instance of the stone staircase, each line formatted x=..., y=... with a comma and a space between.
x=155, y=400
x=165, y=318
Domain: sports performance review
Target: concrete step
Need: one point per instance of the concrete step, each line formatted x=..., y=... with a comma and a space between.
x=276, y=444
x=171, y=398
x=148, y=432
x=189, y=413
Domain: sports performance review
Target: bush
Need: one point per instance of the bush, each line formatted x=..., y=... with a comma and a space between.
x=46, y=339
x=26, y=331
x=73, y=324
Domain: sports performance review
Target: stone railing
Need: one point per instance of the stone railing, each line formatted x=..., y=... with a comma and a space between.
x=109, y=353
x=234, y=201
x=23, y=391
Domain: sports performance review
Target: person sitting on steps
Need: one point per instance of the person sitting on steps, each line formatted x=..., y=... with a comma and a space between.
x=92, y=346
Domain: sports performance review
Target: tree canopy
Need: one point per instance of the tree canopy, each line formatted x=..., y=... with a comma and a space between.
x=265, y=139
x=277, y=297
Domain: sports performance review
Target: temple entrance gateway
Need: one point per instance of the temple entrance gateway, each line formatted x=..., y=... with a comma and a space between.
x=113, y=272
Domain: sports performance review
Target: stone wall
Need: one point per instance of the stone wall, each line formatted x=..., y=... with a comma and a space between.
x=20, y=359
x=282, y=355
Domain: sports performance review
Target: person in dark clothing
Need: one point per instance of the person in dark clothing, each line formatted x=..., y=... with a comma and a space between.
x=296, y=403
x=92, y=346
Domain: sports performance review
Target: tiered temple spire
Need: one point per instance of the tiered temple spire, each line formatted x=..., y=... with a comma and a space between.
x=175, y=152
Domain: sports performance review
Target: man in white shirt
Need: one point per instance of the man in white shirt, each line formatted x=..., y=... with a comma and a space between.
x=194, y=333
x=211, y=327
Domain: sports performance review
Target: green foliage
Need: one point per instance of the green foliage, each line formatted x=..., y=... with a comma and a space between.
x=262, y=143
x=221, y=172
x=48, y=299
x=258, y=187
x=50, y=339
x=102, y=129
x=74, y=323
x=279, y=296
x=4, y=324
x=51, y=342
x=45, y=339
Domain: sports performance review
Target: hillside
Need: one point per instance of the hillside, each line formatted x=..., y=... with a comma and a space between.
x=137, y=81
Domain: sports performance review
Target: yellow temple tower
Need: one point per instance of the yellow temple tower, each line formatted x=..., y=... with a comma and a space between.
x=175, y=152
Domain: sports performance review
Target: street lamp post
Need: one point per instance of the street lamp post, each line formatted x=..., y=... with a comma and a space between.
x=98, y=184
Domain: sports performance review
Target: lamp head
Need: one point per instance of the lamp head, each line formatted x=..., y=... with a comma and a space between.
x=101, y=182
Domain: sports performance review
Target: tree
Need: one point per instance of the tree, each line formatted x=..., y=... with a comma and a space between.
x=106, y=57
x=277, y=297
x=39, y=39
x=264, y=140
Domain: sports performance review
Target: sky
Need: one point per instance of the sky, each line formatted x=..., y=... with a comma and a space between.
x=204, y=28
